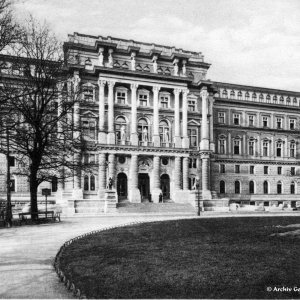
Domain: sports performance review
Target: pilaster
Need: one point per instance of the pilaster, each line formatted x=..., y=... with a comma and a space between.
x=177, y=173
x=177, y=138
x=204, y=144
x=134, y=192
x=134, y=135
x=102, y=135
x=156, y=139
x=185, y=139
x=185, y=173
x=111, y=134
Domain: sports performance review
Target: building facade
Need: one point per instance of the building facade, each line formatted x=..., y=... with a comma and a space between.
x=154, y=125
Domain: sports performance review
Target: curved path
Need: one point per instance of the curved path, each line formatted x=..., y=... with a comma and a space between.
x=27, y=254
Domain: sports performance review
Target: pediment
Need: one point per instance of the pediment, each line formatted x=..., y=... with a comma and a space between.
x=89, y=114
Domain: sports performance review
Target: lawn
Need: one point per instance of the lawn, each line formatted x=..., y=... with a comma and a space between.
x=194, y=258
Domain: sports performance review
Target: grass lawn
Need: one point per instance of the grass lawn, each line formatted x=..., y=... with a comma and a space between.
x=194, y=258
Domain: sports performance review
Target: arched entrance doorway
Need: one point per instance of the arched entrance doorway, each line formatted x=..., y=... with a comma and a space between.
x=165, y=186
x=122, y=186
x=144, y=186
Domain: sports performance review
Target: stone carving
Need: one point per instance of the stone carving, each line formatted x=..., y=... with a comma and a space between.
x=145, y=135
x=109, y=183
x=123, y=133
x=133, y=61
x=166, y=136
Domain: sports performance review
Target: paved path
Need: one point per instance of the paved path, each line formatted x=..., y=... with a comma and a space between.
x=27, y=253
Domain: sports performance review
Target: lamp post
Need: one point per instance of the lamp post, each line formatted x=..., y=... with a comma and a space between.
x=8, y=216
x=198, y=194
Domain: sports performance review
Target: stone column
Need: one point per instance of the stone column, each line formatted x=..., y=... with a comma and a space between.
x=185, y=138
x=204, y=144
x=177, y=173
x=229, y=148
x=102, y=175
x=206, y=193
x=211, y=125
x=77, y=190
x=156, y=190
x=244, y=144
x=111, y=168
x=134, y=136
x=102, y=135
x=177, y=138
x=155, y=139
x=111, y=133
x=134, y=192
x=76, y=81
x=185, y=173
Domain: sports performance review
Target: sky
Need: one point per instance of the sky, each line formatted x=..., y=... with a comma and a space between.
x=251, y=42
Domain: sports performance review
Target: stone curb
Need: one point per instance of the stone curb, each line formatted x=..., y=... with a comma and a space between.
x=56, y=264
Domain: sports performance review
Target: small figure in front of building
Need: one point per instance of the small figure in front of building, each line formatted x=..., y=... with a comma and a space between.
x=123, y=133
x=145, y=134
x=110, y=183
x=160, y=198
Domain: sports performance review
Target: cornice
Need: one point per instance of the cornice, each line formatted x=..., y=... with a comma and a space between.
x=260, y=162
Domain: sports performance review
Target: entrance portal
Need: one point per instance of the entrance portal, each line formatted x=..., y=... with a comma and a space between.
x=122, y=186
x=144, y=186
x=165, y=186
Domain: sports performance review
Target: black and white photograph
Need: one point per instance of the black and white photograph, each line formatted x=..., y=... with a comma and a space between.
x=149, y=149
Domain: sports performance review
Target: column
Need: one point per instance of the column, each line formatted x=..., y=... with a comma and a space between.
x=77, y=191
x=258, y=145
x=177, y=138
x=211, y=125
x=134, y=192
x=206, y=193
x=102, y=175
x=134, y=136
x=76, y=81
x=185, y=138
x=244, y=145
x=185, y=173
x=102, y=135
x=156, y=139
x=204, y=145
x=111, y=168
x=229, y=148
x=156, y=190
x=111, y=133
x=177, y=173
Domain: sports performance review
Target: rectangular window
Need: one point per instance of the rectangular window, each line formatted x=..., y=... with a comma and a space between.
x=88, y=93
x=236, y=147
x=192, y=133
x=293, y=171
x=12, y=161
x=193, y=163
x=251, y=148
x=222, y=146
x=143, y=99
x=265, y=121
x=292, y=124
x=265, y=148
x=251, y=169
x=266, y=170
x=236, y=119
x=191, y=105
x=292, y=149
x=237, y=169
x=222, y=168
x=279, y=123
x=279, y=170
x=251, y=120
x=164, y=102
x=278, y=149
x=221, y=117
x=121, y=97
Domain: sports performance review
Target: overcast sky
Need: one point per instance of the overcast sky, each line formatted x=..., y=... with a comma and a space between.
x=252, y=42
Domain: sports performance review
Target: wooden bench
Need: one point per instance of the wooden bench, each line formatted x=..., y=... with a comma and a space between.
x=50, y=214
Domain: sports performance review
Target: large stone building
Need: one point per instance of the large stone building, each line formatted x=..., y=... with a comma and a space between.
x=156, y=125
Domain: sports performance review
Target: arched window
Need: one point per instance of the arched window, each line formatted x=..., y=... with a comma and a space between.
x=222, y=145
x=232, y=94
x=86, y=183
x=261, y=98
x=236, y=146
x=254, y=97
x=275, y=99
x=237, y=187
x=54, y=184
x=143, y=130
x=279, y=187
x=240, y=95
x=89, y=183
x=222, y=187
x=268, y=98
x=92, y=182
x=247, y=96
x=121, y=128
x=266, y=187
x=281, y=100
x=288, y=101
x=292, y=188
x=251, y=187
x=225, y=94
x=251, y=146
x=164, y=132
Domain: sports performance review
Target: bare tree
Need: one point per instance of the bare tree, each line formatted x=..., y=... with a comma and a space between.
x=10, y=31
x=42, y=97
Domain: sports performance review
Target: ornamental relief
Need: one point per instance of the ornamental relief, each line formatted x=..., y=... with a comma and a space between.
x=145, y=165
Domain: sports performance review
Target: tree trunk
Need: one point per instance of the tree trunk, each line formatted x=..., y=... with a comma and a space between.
x=33, y=195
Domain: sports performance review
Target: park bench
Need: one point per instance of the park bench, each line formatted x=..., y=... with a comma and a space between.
x=41, y=215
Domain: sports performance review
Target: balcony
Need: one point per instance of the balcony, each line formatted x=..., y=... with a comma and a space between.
x=123, y=142
x=167, y=145
x=145, y=144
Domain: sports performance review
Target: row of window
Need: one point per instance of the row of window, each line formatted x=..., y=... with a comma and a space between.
x=265, y=121
x=259, y=97
x=237, y=170
x=265, y=147
x=251, y=189
x=142, y=100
